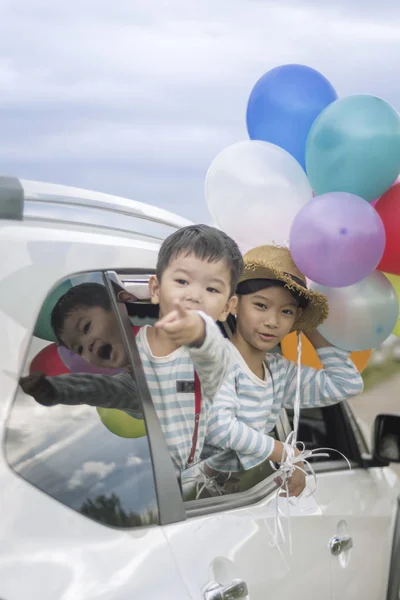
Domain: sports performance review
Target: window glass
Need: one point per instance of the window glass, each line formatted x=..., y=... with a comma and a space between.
x=321, y=428
x=69, y=442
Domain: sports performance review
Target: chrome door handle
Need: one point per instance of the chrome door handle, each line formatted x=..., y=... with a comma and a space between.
x=234, y=591
x=340, y=543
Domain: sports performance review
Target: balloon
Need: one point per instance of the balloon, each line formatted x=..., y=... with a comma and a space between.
x=354, y=146
x=254, y=190
x=48, y=361
x=309, y=357
x=43, y=328
x=337, y=239
x=395, y=281
x=120, y=423
x=388, y=208
x=76, y=364
x=283, y=105
x=361, y=316
x=374, y=203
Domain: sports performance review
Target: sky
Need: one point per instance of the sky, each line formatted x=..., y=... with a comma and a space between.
x=136, y=98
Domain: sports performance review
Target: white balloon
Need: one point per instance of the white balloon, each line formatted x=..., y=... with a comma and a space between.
x=254, y=190
x=362, y=315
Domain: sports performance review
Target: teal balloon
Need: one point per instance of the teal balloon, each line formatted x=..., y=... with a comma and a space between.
x=354, y=146
x=43, y=328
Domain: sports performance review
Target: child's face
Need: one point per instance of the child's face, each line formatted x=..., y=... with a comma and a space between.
x=196, y=284
x=266, y=317
x=94, y=334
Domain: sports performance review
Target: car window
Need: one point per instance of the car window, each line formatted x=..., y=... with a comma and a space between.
x=323, y=427
x=91, y=458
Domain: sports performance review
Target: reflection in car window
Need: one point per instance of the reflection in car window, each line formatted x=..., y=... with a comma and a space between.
x=96, y=462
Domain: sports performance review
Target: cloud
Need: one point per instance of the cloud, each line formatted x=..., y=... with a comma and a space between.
x=90, y=470
x=133, y=461
x=137, y=98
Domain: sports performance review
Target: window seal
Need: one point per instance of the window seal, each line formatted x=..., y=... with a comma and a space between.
x=207, y=506
x=171, y=508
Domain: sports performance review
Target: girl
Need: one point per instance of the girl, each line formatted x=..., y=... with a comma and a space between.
x=273, y=300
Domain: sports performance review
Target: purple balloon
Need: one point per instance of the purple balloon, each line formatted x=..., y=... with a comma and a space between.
x=76, y=364
x=337, y=239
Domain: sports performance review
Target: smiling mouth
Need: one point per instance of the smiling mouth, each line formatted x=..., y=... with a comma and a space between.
x=104, y=352
x=267, y=336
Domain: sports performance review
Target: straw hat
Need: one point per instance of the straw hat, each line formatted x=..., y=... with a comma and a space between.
x=275, y=262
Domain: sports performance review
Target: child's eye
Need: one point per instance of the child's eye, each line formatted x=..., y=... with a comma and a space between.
x=212, y=290
x=87, y=327
x=181, y=281
x=80, y=349
x=260, y=305
x=288, y=312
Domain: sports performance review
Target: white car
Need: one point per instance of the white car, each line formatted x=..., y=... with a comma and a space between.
x=87, y=514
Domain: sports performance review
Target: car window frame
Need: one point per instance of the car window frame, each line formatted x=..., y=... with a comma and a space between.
x=169, y=498
x=171, y=505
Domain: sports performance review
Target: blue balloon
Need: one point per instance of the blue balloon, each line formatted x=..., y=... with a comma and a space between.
x=354, y=147
x=284, y=104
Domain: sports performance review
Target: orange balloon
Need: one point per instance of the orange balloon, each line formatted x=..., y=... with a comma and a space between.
x=309, y=357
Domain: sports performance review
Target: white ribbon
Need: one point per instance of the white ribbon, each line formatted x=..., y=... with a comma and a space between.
x=289, y=461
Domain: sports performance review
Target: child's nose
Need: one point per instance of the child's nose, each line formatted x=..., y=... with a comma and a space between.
x=193, y=294
x=272, y=320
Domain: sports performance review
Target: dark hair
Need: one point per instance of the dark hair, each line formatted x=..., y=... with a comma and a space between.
x=206, y=243
x=84, y=295
x=251, y=286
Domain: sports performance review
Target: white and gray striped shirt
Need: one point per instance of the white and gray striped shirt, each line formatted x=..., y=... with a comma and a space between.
x=246, y=408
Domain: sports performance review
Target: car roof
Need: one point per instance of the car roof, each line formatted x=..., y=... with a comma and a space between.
x=26, y=200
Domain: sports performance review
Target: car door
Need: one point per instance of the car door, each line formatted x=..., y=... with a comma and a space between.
x=98, y=515
x=80, y=517
x=359, y=504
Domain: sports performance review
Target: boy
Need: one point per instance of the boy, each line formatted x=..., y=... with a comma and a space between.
x=198, y=268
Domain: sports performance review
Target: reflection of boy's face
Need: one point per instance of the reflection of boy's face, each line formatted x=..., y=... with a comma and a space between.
x=94, y=334
x=196, y=284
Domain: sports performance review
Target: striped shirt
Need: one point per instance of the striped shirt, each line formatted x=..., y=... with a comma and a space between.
x=246, y=408
x=171, y=383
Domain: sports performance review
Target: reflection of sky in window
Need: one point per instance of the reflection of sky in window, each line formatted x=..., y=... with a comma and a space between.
x=67, y=452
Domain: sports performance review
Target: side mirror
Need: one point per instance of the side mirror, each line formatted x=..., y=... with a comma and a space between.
x=387, y=438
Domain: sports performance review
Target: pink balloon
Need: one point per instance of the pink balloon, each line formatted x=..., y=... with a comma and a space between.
x=76, y=364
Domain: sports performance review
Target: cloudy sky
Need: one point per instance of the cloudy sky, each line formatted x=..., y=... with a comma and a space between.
x=136, y=97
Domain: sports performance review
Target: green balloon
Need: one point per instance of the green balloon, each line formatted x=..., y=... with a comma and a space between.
x=43, y=328
x=120, y=423
x=354, y=146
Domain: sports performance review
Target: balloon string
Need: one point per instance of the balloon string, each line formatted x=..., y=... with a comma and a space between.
x=289, y=460
x=287, y=467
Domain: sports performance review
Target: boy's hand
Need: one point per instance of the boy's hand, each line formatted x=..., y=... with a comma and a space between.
x=183, y=327
x=39, y=387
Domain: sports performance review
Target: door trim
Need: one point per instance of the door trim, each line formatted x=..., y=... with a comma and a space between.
x=394, y=571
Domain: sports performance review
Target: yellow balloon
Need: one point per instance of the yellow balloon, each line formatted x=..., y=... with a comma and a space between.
x=395, y=281
x=120, y=423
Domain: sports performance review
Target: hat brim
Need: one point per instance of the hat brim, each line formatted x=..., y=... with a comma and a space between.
x=317, y=309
